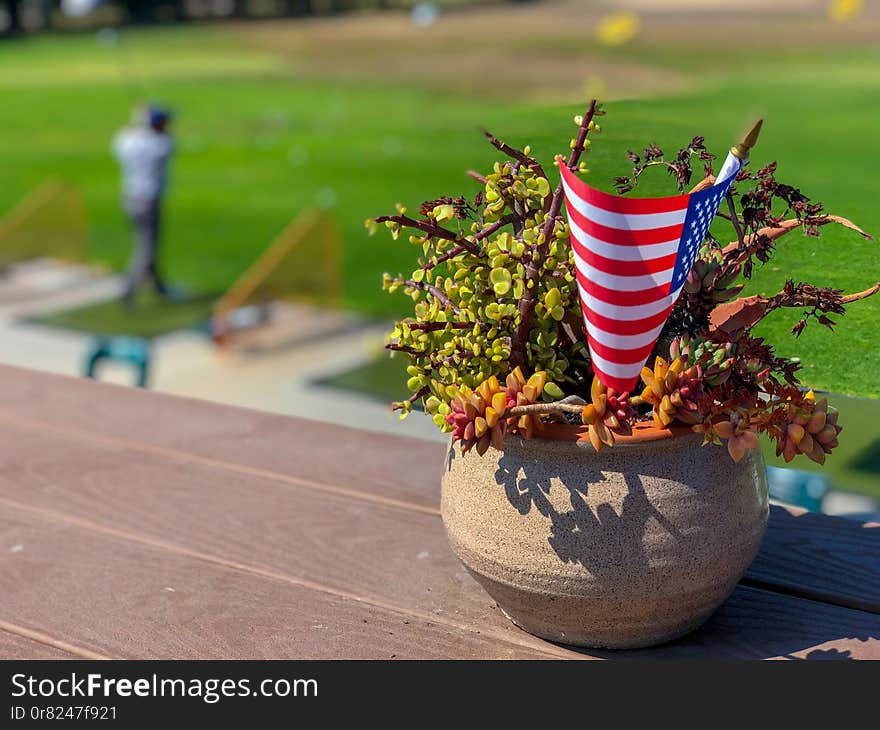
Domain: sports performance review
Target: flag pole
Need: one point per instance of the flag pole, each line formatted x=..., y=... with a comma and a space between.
x=738, y=156
x=741, y=150
x=739, y=153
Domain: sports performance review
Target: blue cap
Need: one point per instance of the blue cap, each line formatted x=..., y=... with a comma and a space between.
x=157, y=116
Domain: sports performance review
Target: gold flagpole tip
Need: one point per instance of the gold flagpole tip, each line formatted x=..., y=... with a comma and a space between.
x=742, y=149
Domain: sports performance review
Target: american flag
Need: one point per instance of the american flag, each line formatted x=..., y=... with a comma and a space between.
x=633, y=256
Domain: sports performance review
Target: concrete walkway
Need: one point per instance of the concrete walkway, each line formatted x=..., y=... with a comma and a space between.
x=279, y=379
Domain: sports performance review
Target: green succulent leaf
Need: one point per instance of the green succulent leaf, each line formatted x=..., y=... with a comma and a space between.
x=501, y=281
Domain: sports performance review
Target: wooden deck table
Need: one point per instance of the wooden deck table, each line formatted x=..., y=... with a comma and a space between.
x=137, y=525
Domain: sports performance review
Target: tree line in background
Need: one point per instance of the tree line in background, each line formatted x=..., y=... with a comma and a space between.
x=24, y=16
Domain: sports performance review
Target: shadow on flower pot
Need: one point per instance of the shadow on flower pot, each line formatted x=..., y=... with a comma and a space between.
x=812, y=592
x=575, y=533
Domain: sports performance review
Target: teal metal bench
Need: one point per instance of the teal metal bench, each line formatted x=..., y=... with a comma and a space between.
x=131, y=350
x=801, y=488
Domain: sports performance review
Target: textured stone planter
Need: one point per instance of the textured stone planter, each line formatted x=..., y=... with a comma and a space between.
x=630, y=547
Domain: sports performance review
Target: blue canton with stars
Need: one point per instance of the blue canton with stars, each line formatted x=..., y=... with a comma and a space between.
x=702, y=207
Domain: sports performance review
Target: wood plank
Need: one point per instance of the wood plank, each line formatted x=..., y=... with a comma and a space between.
x=382, y=554
x=820, y=557
x=386, y=556
x=816, y=557
x=128, y=600
x=15, y=646
x=756, y=624
x=391, y=468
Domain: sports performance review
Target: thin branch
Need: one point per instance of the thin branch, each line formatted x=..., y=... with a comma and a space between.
x=776, y=232
x=516, y=154
x=543, y=408
x=477, y=176
x=558, y=406
x=746, y=312
x=403, y=348
x=862, y=294
x=533, y=268
x=431, y=229
x=722, y=214
x=491, y=228
x=412, y=399
x=437, y=326
x=437, y=293
x=479, y=236
x=450, y=254
x=706, y=182
x=735, y=220
x=672, y=167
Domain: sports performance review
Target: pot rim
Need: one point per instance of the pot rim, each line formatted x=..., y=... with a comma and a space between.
x=642, y=432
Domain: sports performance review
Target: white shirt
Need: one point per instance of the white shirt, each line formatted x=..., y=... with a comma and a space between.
x=143, y=154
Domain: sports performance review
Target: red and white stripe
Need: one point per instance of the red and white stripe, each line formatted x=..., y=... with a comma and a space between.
x=625, y=250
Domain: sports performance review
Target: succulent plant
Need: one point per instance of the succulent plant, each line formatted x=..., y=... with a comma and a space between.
x=810, y=428
x=467, y=304
x=522, y=392
x=606, y=413
x=738, y=431
x=479, y=417
x=496, y=337
x=714, y=359
x=674, y=391
x=711, y=278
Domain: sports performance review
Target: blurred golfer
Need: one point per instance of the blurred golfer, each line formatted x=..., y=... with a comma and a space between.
x=143, y=151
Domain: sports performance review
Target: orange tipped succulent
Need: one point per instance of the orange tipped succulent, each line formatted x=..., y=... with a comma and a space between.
x=738, y=432
x=810, y=429
x=606, y=413
x=477, y=416
x=673, y=390
x=522, y=392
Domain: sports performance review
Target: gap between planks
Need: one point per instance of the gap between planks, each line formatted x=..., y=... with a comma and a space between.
x=809, y=594
x=40, y=638
x=550, y=651
x=187, y=456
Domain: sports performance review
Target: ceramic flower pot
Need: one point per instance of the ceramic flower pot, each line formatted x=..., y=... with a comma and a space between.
x=626, y=548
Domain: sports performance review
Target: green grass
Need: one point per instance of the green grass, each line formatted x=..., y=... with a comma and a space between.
x=150, y=317
x=259, y=142
x=381, y=379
